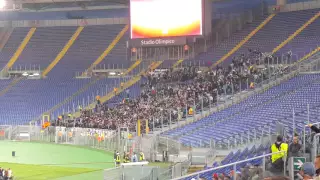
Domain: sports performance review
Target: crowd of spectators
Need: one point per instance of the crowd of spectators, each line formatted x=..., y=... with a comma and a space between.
x=6, y=174
x=168, y=94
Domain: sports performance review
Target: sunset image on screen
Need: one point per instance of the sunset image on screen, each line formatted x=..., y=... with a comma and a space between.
x=165, y=18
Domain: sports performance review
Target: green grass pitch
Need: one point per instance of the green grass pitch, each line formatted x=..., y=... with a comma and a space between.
x=35, y=161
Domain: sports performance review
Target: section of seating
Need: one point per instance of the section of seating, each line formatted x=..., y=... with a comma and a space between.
x=44, y=46
x=242, y=168
x=308, y=37
x=256, y=113
x=4, y=83
x=12, y=44
x=83, y=99
x=31, y=98
x=56, y=15
x=222, y=9
x=268, y=37
x=90, y=44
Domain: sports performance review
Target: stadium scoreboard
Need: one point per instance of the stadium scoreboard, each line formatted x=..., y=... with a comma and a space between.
x=155, y=23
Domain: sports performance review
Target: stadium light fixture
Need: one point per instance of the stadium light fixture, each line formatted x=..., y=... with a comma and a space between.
x=25, y=74
x=36, y=74
x=112, y=73
x=31, y=75
x=2, y=4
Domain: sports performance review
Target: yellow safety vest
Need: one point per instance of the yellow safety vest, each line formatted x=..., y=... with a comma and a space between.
x=118, y=158
x=141, y=156
x=126, y=159
x=283, y=147
x=190, y=111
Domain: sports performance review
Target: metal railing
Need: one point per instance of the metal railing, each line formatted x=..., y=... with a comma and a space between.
x=197, y=175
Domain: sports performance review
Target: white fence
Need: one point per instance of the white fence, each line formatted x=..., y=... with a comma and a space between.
x=95, y=138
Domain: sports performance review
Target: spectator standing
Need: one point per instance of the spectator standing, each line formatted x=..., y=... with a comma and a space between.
x=5, y=174
x=307, y=171
x=134, y=157
x=9, y=174
x=141, y=156
x=118, y=159
x=126, y=158
x=295, y=148
x=277, y=159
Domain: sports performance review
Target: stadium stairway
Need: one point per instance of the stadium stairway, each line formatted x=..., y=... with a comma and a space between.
x=4, y=37
x=241, y=43
x=297, y=32
x=48, y=69
x=109, y=48
x=63, y=51
x=95, y=80
x=177, y=63
x=267, y=38
x=276, y=49
x=10, y=85
x=14, y=58
x=20, y=49
x=85, y=87
x=309, y=55
x=127, y=84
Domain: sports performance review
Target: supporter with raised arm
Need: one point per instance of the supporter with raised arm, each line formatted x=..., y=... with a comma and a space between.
x=314, y=128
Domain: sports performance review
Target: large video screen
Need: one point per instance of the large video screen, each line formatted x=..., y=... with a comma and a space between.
x=165, y=18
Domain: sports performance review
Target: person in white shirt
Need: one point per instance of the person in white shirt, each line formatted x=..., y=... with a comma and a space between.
x=134, y=158
x=10, y=175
